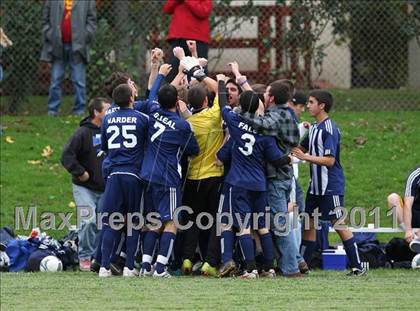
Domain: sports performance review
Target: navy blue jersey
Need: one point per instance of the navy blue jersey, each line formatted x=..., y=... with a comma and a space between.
x=142, y=105
x=225, y=155
x=139, y=105
x=412, y=187
x=324, y=140
x=124, y=134
x=169, y=137
x=249, y=152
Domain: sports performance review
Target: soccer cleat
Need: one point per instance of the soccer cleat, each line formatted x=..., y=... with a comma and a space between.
x=226, y=269
x=116, y=269
x=146, y=273
x=415, y=246
x=130, y=273
x=196, y=268
x=250, y=275
x=104, y=273
x=268, y=274
x=357, y=272
x=186, y=267
x=95, y=266
x=207, y=270
x=165, y=274
x=303, y=267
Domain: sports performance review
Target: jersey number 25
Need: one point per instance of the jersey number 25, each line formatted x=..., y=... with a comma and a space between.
x=130, y=140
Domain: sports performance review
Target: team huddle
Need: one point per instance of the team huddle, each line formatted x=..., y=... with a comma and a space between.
x=221, y=147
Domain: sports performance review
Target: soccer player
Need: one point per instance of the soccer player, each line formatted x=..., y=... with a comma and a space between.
x=204, y=177
x=277, y=121
x=326, y=188
x=247, y=192
x=408, y=210
x=117, y=78
x=169, y=138
x=124, y=133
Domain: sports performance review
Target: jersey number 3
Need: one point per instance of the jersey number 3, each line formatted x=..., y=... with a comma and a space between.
x=249, y=144
x=130, y=140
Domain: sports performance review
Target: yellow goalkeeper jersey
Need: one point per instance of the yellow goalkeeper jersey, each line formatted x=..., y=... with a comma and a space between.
x=207, y=128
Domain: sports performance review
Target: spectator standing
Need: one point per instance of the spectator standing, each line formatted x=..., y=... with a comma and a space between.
x=189, y=22
x=68, y=27
x=81, y=158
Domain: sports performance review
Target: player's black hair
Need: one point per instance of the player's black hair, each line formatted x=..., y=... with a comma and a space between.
x=249, y=101
x=122, y=94
x=196, y=96
x=259, y=89
x=323, y=97
x=280, y=92
x=299, y=98
x=116, y=78
x=236, y=84
x=168, y=96
x=210, y=97
x=97, y=104
x=290, y=85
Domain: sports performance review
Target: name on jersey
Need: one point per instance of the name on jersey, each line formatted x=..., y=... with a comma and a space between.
x=164, y=120
x=122, y=120
x=246, y=127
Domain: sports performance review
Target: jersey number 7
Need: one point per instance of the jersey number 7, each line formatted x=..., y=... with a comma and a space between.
x=160, y=129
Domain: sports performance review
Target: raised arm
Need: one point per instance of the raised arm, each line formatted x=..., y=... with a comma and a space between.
x=156, y=57
x=222, y=92
x=244, y=84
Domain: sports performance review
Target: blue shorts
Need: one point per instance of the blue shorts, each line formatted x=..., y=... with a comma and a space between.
x=328, y=205
x=245, y=202
x=161, y=199
x=123, y=194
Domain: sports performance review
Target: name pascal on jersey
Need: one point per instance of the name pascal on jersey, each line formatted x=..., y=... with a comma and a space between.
x=122, y=120
x=246, y=127
x=164, y=120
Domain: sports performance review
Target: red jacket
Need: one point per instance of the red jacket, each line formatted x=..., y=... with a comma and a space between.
x=190, y=19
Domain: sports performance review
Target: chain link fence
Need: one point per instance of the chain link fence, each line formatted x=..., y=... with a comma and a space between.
x=366, y=52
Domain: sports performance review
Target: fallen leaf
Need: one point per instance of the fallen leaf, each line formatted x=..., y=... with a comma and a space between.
x=34, y=162
x=360, y=140
x=72, y=204
x=9, y=140
x=47, y=152
x=52, y=167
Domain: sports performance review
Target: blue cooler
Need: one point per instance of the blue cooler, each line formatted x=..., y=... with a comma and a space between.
x=334, y=259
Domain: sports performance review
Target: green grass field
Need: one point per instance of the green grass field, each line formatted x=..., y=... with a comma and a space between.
x=380, y=290
x=378, y=151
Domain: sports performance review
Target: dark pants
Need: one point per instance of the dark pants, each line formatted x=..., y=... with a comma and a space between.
x=202, y=51
x=202, y=196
